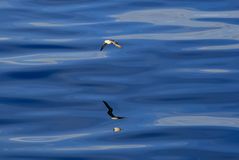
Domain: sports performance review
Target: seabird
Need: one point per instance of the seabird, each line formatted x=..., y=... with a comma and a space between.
x=110, y=41
x=110, y=112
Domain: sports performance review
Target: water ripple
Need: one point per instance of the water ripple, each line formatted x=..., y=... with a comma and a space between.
x=53, y=58
x=103, y=147
x=184, y=18
x=198, y=121
x=44, y=139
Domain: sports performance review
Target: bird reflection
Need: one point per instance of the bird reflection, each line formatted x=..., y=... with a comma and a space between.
x=110, y=112
x=117, y=129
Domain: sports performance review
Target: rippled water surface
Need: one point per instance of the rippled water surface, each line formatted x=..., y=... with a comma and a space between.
x=175, y=80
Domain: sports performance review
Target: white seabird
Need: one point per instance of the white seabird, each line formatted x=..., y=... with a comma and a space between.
x=110, y=41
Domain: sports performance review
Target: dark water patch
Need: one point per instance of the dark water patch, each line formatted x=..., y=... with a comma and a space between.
x=20, y=101
x=43, y=46
x=9, y=121
x=30, y=75
x=195, y=153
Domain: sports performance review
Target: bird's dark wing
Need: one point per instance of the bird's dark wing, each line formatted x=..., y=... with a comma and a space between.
x=120, y=117
x=108, y=106
x=111, y=114
x=103, y=46
x=110, y=110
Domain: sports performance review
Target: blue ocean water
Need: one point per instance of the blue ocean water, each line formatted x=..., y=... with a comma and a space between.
x=175, y=80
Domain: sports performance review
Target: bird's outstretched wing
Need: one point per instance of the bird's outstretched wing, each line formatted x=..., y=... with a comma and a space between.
x=110, y=110
x=103, y=46
x=116, y=44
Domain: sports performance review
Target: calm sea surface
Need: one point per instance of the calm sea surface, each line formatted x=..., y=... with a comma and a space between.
x=176, y=80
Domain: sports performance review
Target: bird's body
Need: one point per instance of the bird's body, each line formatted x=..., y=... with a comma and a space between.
x=108, y=42
x=110, y=112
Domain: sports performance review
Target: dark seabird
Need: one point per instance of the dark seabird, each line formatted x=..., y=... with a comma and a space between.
x=110, y=41
x=110, y=112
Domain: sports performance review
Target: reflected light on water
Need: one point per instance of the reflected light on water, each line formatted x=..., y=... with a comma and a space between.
x=59, y=40
x=217, y=47
x=43, y=139
x=177, y=17
x=53, y=58
x=198, y=121
x=105, y=147
x=205, y=70
x=183, y=18
x=4, y=38
x=51, y=24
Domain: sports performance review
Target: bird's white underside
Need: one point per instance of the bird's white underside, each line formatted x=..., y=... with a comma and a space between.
x=108, y=41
